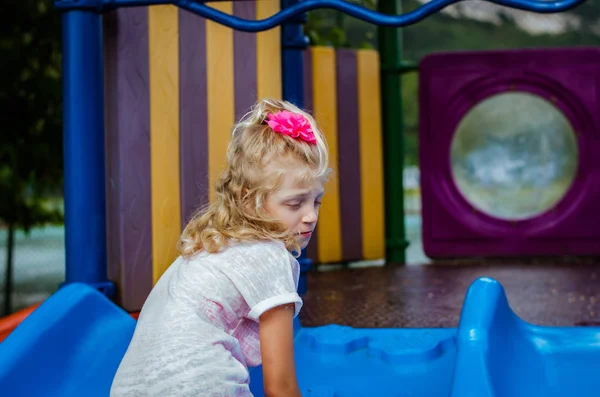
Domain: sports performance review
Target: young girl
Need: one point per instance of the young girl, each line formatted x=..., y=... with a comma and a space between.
x=228, y=302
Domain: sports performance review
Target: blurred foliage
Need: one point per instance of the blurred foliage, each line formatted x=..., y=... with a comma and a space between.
x=332, y=28
x=31, y=138
x=30, y=99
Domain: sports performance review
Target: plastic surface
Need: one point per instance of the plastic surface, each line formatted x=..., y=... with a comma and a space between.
x=451, y=85
x=498, y=354
x=493, y=353
x=72, y=345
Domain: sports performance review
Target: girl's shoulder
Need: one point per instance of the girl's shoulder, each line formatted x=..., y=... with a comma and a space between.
x=264, y=253
x=245, y=248
x=234, y=248
x=259, y=253
x=257, y=248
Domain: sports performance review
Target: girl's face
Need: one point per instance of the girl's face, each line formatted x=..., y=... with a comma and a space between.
x=296, y=204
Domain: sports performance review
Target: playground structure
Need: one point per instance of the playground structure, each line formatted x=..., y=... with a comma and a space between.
x=174, y=94
x=562, y=104
x=78, y=323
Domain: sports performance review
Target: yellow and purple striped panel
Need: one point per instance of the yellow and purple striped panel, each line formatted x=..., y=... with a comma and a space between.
x=175, y=84
x=342, y=91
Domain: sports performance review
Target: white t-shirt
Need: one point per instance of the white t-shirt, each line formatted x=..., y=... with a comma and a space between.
x=197, y=333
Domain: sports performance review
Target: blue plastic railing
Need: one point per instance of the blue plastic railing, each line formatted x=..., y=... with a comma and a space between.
x=362, y=13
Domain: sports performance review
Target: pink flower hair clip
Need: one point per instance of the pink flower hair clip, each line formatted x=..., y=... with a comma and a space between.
x=293, y=125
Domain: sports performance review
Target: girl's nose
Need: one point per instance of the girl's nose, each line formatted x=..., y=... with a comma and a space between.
x=310, y=217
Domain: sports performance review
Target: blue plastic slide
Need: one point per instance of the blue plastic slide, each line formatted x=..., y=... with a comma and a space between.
x=73, y=343
x=69, y=346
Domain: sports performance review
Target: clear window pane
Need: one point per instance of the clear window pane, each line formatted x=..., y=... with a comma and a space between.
x=514, y=156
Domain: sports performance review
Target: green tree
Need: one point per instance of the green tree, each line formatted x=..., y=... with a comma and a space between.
x=31, y=138
x=335, y=29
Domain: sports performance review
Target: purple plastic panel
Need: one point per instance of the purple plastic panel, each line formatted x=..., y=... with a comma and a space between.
x=312, y=250
x=193, y=111
x=127, y=89
x=349, y=153
x=245, y=67
x=453, y=83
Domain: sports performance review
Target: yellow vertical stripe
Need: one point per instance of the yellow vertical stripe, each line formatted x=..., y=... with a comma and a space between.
x=268, y=53
x=163, y=35
x=220, y=94
x=325, y=110
x=371, y=154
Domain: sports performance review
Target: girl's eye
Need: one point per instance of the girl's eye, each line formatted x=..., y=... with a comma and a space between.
x=295, y=205
x=318, y=203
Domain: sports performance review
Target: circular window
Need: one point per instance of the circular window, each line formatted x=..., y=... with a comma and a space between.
x=514, y=156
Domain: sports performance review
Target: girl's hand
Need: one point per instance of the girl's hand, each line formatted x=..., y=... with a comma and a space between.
x=277, y=350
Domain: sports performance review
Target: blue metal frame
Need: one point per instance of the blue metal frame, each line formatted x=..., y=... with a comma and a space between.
x=293, y=44
x=412, y=17
x=85, y=208
x=85, y=212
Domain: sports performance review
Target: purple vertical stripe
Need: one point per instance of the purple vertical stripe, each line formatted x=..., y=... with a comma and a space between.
x=349, y=155
x=244, y=50
x=312, y=250
x=127, y=104
x=193, y=114
x=109, y=29
x=308, y=84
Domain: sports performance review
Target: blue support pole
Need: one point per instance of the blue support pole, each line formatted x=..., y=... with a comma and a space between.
x=84, y=185
x=293, y=44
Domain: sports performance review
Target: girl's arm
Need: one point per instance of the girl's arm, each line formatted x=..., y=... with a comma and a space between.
x=277, y=350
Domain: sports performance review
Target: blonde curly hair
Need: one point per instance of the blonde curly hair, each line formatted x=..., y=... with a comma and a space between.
x=237, y=213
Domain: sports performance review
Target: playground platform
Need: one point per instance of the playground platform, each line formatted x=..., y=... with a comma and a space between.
x=543, y=292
